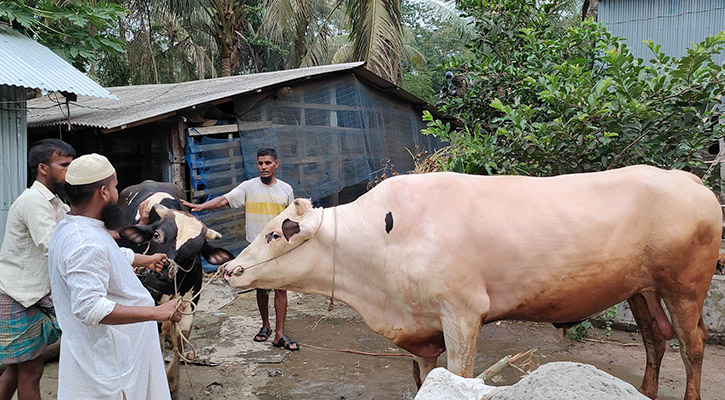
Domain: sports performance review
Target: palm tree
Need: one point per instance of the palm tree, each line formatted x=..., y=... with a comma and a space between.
x=322, y=31
x=304, y=29
x=161, y=45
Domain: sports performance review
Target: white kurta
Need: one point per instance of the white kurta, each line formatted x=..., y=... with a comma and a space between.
x=89, y=274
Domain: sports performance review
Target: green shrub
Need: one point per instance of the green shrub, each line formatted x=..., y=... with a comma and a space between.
x=548, y=98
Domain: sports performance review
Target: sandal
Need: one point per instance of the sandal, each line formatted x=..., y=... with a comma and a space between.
x=263, y=334
x=288, y=344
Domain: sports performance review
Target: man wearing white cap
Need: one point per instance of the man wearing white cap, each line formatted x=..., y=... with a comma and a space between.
x=109, y=347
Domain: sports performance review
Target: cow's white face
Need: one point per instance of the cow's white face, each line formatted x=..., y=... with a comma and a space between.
x=273, y=259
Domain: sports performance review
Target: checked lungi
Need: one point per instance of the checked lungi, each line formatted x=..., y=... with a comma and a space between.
x=25, y=333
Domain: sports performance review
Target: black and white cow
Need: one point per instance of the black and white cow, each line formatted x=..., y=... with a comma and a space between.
x=168, y=229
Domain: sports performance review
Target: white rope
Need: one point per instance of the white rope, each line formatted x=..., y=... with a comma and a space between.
x=238, y=271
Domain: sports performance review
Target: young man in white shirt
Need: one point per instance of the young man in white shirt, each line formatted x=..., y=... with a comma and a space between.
x=263, y=198
x=26, y=318
x=110, y=347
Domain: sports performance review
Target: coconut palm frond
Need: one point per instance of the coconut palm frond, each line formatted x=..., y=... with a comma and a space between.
x=376, y=31
x=410, y=52
x=567, y=12
x=317, y=54
x=140, y=60
x=447, y=12
x=196, y=61
x=413, y=55
x=281, y=19
x=344, y=53
x=319, y=47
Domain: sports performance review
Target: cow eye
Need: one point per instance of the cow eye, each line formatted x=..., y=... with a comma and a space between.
x=276, y=235
x=157, y=235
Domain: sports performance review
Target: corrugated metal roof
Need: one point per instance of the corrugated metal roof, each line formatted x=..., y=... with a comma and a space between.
x=672, y=24
x=26, y=63
x=148, y=102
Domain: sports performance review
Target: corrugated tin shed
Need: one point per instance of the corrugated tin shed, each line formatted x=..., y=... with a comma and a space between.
x=146, y=103
x=673, y=24
x=26, y=63
x=13, y=142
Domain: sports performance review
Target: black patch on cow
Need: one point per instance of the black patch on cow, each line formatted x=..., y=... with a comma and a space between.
x=290, y=228
x=388, y=222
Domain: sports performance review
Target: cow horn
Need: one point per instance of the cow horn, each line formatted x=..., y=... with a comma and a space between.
x=160, y=209
x=302, y=206
x=211, y=234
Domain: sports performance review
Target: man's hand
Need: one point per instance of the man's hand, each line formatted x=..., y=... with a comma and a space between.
x=213, y=204
x=153, y=262
x=169, y=311
x=193, y=207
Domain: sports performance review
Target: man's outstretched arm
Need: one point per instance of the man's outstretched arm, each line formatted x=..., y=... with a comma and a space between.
x=213, y=204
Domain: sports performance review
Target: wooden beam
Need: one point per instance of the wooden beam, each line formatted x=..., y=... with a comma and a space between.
x=217, y=146
x=212, y=130
x=326, y=107
x=219, y=161
x=223, y=189
x=251, y=126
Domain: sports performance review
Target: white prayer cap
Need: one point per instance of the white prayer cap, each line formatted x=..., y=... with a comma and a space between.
x=89, y=168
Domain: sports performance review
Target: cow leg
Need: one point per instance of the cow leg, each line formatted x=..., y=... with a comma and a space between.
x=654, y=344
x=460, y=334
x=178, y=333
x=690, y=329
x=187, y=319
x=172, y=369
x=164, y=335
x=421, y=367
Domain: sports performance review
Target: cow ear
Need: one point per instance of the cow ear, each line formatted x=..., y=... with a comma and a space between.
x=302, y=206
x=137, y=233
x=160, y=209
x=290, y=228
x=307, y=225
x=211, y=234
x=215, y=255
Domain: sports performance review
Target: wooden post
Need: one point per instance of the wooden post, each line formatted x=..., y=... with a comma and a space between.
x=231, y=155
x=302, y=150
x=178, y=162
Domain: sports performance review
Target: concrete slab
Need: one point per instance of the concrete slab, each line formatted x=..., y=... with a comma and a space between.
x=235, y=345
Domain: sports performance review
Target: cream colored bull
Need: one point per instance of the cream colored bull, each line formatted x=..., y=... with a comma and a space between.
x=428, y=259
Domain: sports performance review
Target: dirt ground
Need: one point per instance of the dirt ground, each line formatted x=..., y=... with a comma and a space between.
x=323, y=374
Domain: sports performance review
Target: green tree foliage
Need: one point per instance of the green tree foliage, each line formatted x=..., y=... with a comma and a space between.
x=549, y=97
x=435, y=37
x=79, y=31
